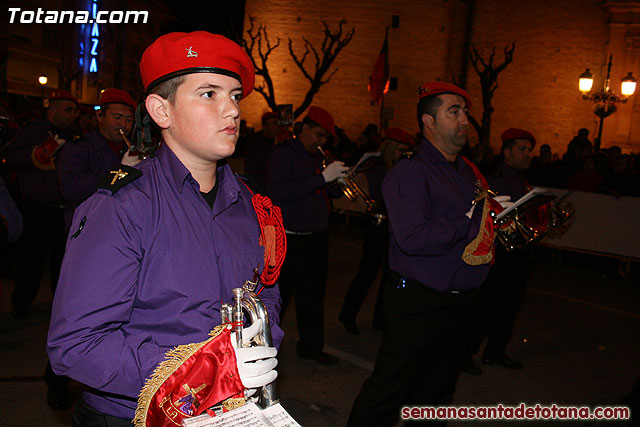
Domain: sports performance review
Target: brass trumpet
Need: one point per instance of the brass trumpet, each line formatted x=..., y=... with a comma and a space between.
x=245, y=300
x=352, y=190
x=141, y=154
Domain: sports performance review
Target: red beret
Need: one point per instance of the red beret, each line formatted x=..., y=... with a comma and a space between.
x=322, y=117
x=437, y=88
x=269, y=115
x=400, y=136
x=116, y=96
x=177, y=54
x=513, y=133
x=60, y=94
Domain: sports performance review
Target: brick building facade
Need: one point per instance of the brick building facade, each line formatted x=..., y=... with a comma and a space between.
x=555, y=42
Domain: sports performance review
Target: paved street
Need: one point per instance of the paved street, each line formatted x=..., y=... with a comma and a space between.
x=577, y=336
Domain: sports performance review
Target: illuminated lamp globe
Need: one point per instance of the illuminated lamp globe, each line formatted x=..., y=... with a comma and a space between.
x=43, y=80
x=586, y=81
x=628, y=85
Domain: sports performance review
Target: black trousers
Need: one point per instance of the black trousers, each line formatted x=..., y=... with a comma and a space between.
x=375, y=250
x=86, y=416
x=43, y=231
x=304, y=273
x=422, y=347
x=499, y=302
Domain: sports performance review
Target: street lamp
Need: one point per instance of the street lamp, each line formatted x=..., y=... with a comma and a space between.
x=605, y=99
x=43, y=81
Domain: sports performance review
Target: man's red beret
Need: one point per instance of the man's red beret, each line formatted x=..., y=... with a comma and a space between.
x=60, y=94
x=322, y=117
x=177, y=54
x=116, y=96
x=513, y=133
x=269, y=115
x=400, y=136
x=437, y=88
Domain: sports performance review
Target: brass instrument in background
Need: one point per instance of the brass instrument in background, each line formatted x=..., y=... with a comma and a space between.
x=511, y=229
x=560, y=214
x=352, y=190
x=245, y=300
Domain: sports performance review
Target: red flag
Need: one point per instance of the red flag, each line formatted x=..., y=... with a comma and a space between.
x=379, y=78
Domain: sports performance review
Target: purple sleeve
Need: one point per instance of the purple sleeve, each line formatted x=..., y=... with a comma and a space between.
x=284, y=180
x=78, y=175
x=271, y=298
x=94, y=299
x=407, y=196
x=10, y=212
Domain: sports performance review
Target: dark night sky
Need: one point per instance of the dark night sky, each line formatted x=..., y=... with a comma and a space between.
x=224, y=17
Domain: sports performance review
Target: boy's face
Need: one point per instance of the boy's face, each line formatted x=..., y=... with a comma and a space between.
x=204, y=121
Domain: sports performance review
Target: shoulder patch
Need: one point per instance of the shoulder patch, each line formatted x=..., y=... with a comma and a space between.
x=407, y=155
x=119, y=177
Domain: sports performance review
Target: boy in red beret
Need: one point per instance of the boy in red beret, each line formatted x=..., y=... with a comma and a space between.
x=153, y=254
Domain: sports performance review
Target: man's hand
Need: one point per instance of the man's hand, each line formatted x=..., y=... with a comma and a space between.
x=505, y=201
x=256, y=365
x=334, y=171
x=130, y=159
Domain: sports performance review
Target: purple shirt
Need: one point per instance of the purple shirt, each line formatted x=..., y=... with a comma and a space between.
x=508, y=182
x=10, y=212
x=427, y=198
x=35, y=184
x=147, y=272
x=81, y=165
x=295, y=182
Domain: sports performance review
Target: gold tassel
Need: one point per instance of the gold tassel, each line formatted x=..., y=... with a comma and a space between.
x=174, y=358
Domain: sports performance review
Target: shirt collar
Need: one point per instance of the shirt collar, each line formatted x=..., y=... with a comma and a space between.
x=178, y=174
x=508, y=170
x=427, y=150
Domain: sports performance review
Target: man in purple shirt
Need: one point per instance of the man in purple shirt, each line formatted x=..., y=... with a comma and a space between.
x=429, y=197
x=153, y=254
x=501, y=295
x=84, y=162
x=299, y=185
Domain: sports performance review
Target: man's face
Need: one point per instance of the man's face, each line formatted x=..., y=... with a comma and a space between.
x=449, y=128
x=204, y=122
x=62, y=113
x=114, y=117
x=518, y=156
x=313, y=137
x=270, y=128
x=398, y=151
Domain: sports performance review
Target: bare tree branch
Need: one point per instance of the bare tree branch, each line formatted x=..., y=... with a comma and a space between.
x=488, y=73
x=331, y=46
x=258, y=37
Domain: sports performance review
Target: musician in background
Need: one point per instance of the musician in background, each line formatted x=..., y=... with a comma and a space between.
x=436, y=267
x=375, y=246
x=502, y=293
x=84, y=162
x=258, y=148
x=299, y=185
x=156, y=250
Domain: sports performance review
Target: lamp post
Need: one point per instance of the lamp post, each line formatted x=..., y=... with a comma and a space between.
x=605, y=99
x=43, y=81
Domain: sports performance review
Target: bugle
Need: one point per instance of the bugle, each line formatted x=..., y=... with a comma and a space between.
x=245, y=300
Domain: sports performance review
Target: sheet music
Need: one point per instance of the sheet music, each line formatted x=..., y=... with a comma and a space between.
x=249, y=415
x=364, y=157
x=536, y=191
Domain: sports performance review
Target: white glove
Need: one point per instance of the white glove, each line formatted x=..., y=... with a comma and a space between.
x=470, y=213
x=505, y=201
x=130, y=159
x=256, y=365
x=334, y=171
